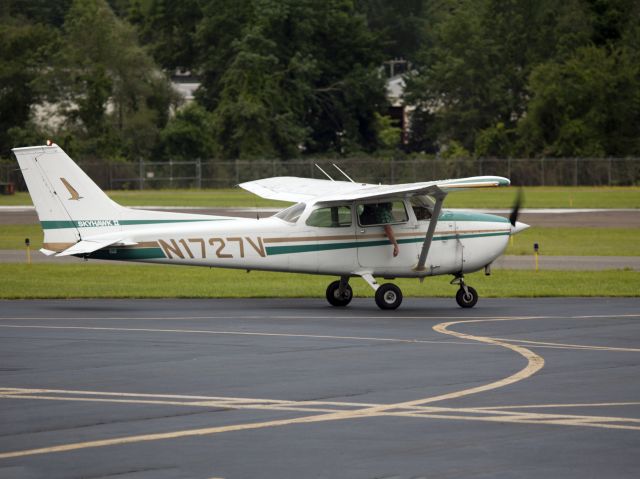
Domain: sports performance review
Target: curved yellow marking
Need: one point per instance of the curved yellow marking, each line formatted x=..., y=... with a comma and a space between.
x=534, y=364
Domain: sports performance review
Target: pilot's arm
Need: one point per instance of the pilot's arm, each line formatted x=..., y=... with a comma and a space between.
x=389, y=232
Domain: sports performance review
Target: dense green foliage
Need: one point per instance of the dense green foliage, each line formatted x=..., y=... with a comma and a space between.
x=286, y=78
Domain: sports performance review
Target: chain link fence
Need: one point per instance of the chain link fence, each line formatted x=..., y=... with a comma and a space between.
x=224, y=174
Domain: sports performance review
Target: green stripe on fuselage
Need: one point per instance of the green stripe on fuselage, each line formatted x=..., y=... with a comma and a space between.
x=52, y=225
x=305, y=248
x=471, y=216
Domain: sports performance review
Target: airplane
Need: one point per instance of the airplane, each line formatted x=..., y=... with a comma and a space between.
x=338, y=228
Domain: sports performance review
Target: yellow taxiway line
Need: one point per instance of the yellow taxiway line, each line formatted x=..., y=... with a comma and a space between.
x=328, y=412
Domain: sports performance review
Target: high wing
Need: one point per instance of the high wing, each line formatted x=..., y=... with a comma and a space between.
x=287, y=188
x=328, y=192
x=296, y=189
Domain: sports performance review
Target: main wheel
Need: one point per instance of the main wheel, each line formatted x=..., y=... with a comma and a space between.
x=388, y=296
x=467, y=300
x=335, y=298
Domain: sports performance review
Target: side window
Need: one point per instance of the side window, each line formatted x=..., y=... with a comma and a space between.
x=330, y=217
x=382, y=213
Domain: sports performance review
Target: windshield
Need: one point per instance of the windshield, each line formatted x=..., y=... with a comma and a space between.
x=291, y=214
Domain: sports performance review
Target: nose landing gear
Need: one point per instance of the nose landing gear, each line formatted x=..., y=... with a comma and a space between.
x=466, y=297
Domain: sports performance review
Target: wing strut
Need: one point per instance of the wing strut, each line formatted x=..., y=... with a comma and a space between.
x=439, y=195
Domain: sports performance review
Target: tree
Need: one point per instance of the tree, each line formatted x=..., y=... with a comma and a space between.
x=24, y=49
x=588, y=105
x=114, y=97
x=170, y=29
x=400, y=25
x=188, y=134
x=280, y=76
x=474, y=67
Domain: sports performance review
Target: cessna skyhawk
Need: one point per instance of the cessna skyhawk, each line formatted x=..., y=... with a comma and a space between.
x=343, y=229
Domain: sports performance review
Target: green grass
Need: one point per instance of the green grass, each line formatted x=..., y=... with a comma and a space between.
x=13, y=236
x=549, y=197
x=88, y=280
x=534, y=197
x=578, y=242
x=552, y=241
x=212, y=198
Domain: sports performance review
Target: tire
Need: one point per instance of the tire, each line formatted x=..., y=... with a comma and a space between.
x=465, y=300
x=388, y=296
x=334, y=297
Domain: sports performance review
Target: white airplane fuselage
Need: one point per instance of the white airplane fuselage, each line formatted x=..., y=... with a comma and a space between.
x=463, y=242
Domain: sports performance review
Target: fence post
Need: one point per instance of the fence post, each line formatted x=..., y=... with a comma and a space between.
x=575, y=172
x=609, y=171
x=237, y=172
x=199, y=173
x=141, y=174
x=542, y=171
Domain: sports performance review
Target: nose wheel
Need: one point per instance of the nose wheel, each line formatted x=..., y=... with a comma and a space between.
x=466, y=297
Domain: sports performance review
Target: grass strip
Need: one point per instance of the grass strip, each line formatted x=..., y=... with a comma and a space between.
x=577, y=242
x=534, y=197
x=552, y=241
x=87, y=280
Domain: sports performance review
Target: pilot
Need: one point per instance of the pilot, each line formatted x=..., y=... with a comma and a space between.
x=384, y=216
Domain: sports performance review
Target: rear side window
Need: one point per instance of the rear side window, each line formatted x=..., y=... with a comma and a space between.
x=330, y=217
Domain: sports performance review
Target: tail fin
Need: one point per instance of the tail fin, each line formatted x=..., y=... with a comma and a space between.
x=66, y=199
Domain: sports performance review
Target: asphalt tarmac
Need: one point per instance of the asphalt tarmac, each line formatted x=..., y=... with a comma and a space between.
x=513, y=388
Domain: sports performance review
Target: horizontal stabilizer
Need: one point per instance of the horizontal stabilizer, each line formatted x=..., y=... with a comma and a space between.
x=89, y=246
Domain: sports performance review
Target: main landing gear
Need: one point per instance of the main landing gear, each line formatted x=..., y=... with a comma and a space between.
x=389, y=296
x=466, y=297
x=339, y=293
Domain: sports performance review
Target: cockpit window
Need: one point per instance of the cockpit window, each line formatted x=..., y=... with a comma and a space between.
x=330, y=217
x=291, y=214
x=382, y=213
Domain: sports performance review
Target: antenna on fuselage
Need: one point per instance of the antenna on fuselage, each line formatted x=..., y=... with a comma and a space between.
x=325, y=173
x=346, y=176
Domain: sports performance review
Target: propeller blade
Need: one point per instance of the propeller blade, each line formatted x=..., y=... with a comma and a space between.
x=513, y=217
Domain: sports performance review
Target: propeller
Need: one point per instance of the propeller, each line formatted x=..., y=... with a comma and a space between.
x=513, y=217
